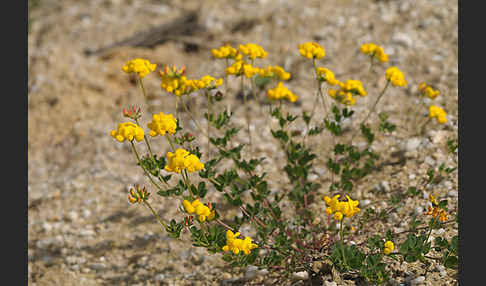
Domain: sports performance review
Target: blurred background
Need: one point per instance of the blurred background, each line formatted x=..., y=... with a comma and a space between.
x=82, y=230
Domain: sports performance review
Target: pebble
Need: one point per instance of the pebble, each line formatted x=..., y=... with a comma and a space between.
x=329, y=283
x=418, y=210
x=429, y=160
x=364, y=203
x=412, y=144
x=402, y=39
x=47, y=227
x=86, y=213
x=302, y=275
x=411, y=176
x=452, y=193
x=313, y=177
x=383, y=186
x=448, y=184
x=87, y=232
x=417, y=280
x=98, y=266
x=439, y=231
x=72, y=216
x=159, y=277
x=251, y=272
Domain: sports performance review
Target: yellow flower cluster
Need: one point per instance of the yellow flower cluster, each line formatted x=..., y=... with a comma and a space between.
x=438, y=113
x=139, y=196
x=203, y=212
x=183, y=160
x=178, y=84
x=253, y=51
x=236, y=245
x=162, y=123
x=327, y=75
x=140, y=66
x=435, y=211
x=312, y=50
x=227, y=52
x=395, y=76
x=374, y=51
x=389, y=246
x=275, y=71
x=240, y=67
x=340, y=208
x=128, y=131
x=428, y=90
x=281, y=92
x=347, y=89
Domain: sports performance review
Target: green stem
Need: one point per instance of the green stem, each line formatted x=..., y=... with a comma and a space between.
x=170, y=142
x=144, y=93
x=140, y=162
x=342, y=239
x=156, y=215
x=193, y=119
x=372, y=109
x=210, y=112
x=247, y=115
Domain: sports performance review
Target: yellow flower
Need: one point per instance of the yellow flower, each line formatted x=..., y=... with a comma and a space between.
x=162, y=123
x=281, y=92
x=374, y=51
x=312, y=50
x=140, y=66
x=353, y=86
x=341, y=208
x=236, y=245
x=395, y=76
x=208, y=81
x=389, y=247
x=128, y=131
x=275, y=71
x=253, y=51
x=433, y=200
x=428, y=90
x=327, y=75
x=202, y=211
x=227, y=52
x=183, y=160
x=438, y=113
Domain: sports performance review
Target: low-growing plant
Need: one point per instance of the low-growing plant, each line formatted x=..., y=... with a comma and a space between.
x=284, y=238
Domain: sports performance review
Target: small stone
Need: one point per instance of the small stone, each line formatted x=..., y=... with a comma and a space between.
x=72, y=216
x=329, y=283
x=313, y=177
x=87, y=232
x=443, y=273
x=302, y=275
x=428, y=160
x=439, y=231
x=418, y=210
x=251, y=272
x=98, y=266
x=452, y=193
x=448, y=184
x=47, y=227
x=411, y=176
x=364, y=203
x=159, y=277
x=402, y=39
x=86, y=213
x=417, y=280
x=383, y=186
x=412, y=144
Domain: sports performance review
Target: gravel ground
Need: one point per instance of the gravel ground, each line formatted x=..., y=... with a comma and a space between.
x=82, y=230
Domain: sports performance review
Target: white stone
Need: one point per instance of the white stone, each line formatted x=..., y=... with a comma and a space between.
x=251, y=272
x=402, y=39
x=412, y=144
x=302, y=275
x=417, y=280
x=329, y=283
x=364, y=203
